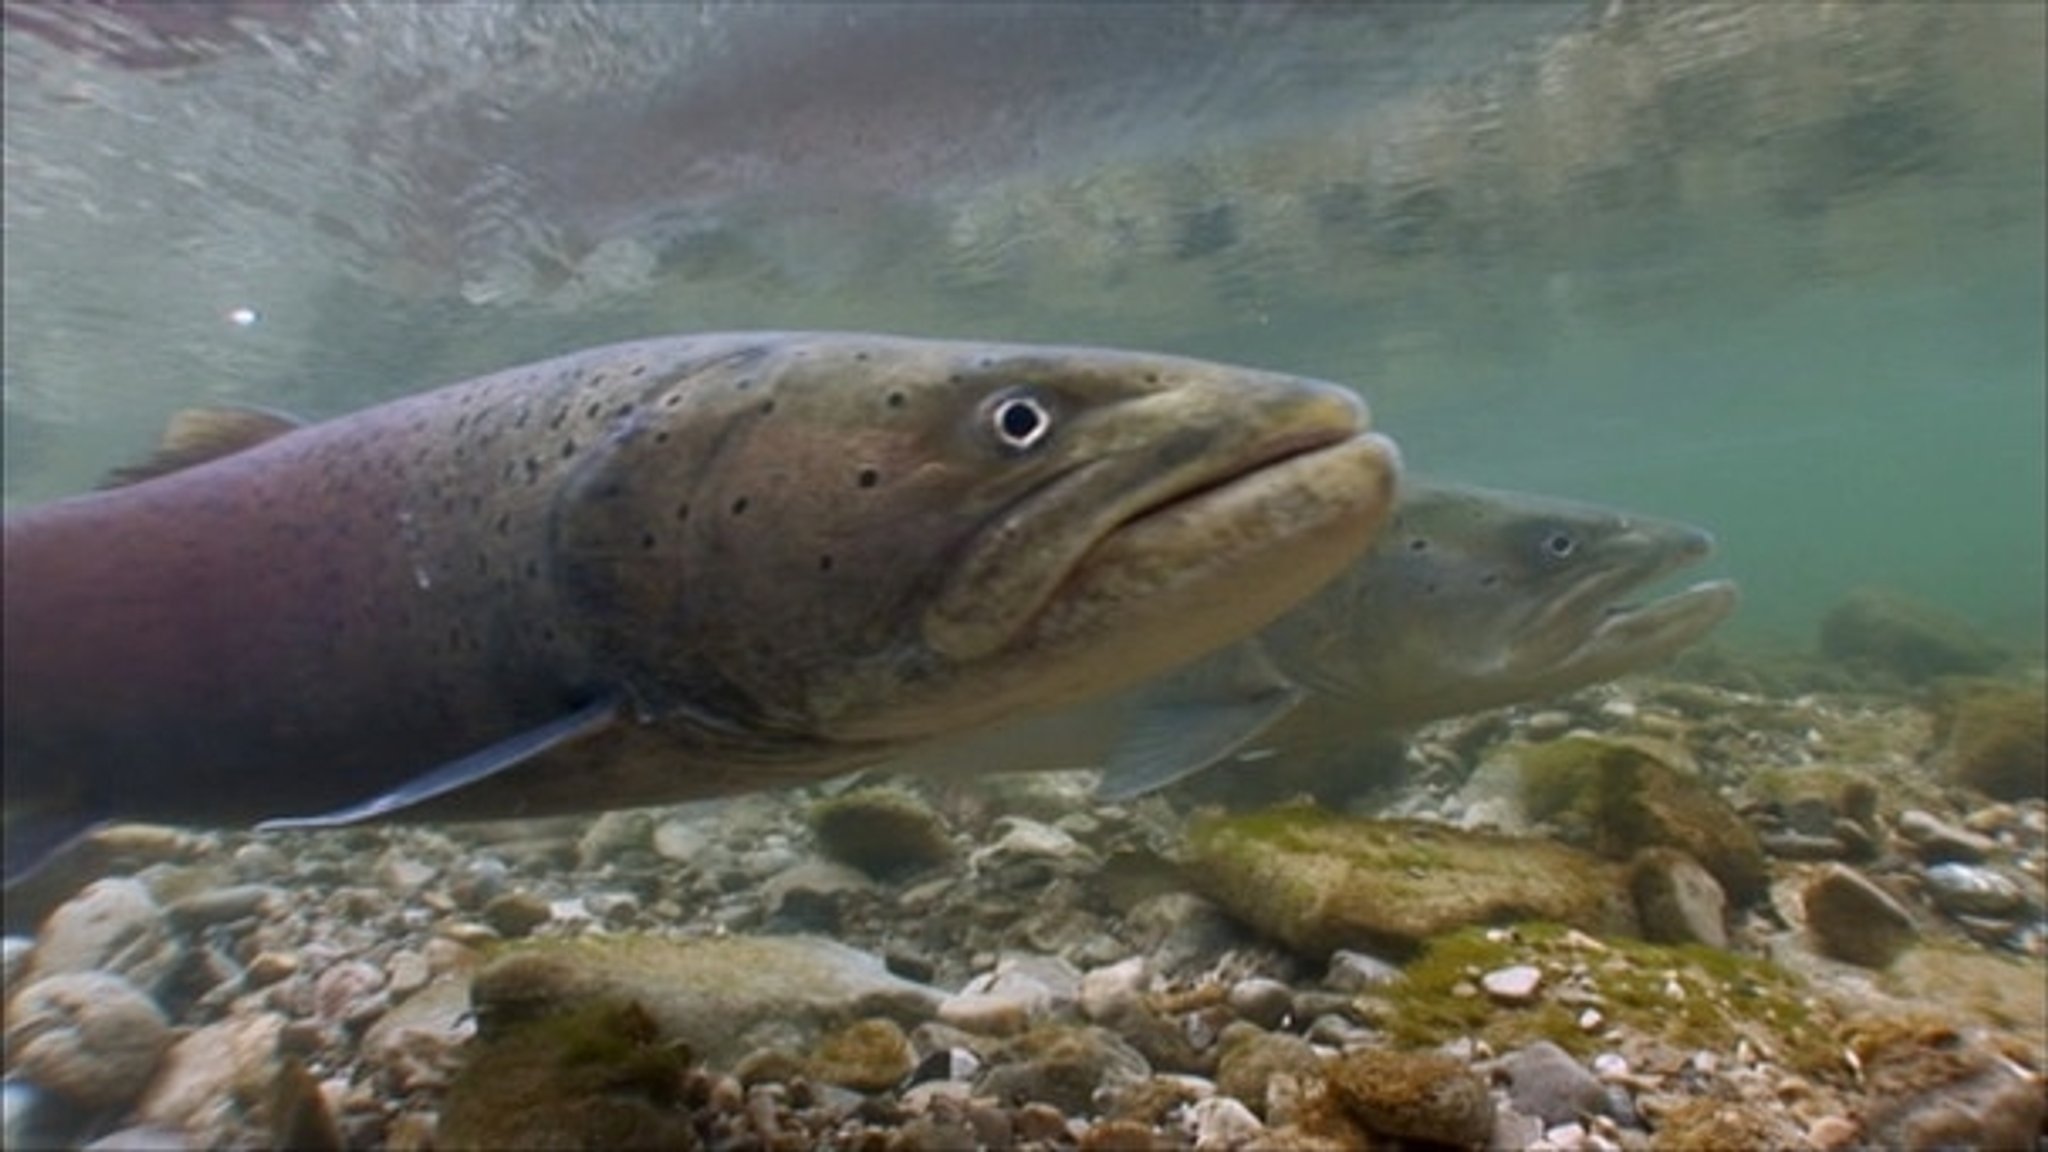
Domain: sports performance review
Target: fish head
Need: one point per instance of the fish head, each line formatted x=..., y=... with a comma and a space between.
x=1475, y=598
x=839, y=538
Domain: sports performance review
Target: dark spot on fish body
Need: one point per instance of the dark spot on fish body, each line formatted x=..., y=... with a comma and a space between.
x=869, y=478
x=568, y=449
x=896, y=400
x=739, y=506
x=1418, y=544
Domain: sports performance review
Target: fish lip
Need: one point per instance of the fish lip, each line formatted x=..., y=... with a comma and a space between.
x=1283, y=448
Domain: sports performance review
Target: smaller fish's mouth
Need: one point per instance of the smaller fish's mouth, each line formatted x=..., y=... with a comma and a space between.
x=1638, y=632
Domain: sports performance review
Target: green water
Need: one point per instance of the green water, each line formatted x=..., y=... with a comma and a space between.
x=1777, y=269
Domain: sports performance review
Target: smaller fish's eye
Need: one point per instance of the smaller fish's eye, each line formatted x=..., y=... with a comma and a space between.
x=1020, y=421
x=1560, y=544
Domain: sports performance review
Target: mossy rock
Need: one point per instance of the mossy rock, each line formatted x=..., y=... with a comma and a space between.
x=1421, y=1096
x=723, y=996
x=884, y=832
x=1994, y=736
x=1317, y=881
x=1885, y=634
x=2004, y=992
x=596, y=1075
x=1688, y=995
x=1624, y=794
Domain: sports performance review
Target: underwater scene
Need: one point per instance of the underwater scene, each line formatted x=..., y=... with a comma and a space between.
x=927, y=576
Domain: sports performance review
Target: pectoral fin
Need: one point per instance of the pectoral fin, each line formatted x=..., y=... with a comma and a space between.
x=1196, y=717
x=458, y=774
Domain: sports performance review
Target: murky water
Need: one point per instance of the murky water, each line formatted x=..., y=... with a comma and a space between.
x=1774, y=268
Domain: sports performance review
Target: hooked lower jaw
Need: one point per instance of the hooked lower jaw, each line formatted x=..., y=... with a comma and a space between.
x=1663, y=625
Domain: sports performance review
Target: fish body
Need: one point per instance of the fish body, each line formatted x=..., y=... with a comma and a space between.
x=1473, y=598
x=657, y=571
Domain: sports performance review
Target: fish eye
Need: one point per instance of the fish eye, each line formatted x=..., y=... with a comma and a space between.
x=1560, y=545
x=1020, y=421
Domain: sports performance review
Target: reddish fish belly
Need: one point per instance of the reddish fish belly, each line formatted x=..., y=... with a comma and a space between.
x=237, y=641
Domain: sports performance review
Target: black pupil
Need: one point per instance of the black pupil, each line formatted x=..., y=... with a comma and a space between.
x=1560, y=545
x=1019, y=420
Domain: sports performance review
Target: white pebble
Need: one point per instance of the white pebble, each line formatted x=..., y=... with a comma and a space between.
x=1513, y=985
x=1221, y=1123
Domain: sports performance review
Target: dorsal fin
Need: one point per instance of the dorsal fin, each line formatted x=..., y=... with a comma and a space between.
x=197, y=435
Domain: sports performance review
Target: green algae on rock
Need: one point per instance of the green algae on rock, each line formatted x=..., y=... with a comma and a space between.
x=884, y=832
x=1884, y=634
x=1688, y=995
x=1418, y=1096
x=722, y=996
x=1318, y=882
x=1993, y=736
x=594, y=1075
x=1625, y=794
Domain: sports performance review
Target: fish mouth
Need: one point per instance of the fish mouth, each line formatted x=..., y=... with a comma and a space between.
x=1616, y=635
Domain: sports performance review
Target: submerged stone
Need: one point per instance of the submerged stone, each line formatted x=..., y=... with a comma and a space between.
x=723, y=996
x=1994, y=737
x=1417, y=1096
x=1625, y=794
x=1883, y=633
x=884, y=832
x=595, y=1075
x=1319, y=882
x=1854, y=920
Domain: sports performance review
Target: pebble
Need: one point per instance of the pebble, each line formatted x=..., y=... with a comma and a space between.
x=1516, y=984
x=1968, y=890
x=1677, y=900
x=1854, y=920
x=1178, y=930
x=345, y=992
x=1115, y=989
x=1800, y=846
x=1546, y=1082
x=1357, y=972
x=685, y=841
x=111, y=926
x=614, y=835
x=406, y=972
x=986, y=1015
x=1833, y=1133
x=223, y=905
x=517, y=913
x=1267, y=1003
x=401, y=873
x=1221, y=1124
x=477, y=881
x=1248, y=1059
x=1020, y=840
x=259, y=861
x=1936, y=841
x=90, y=1037
x=197, y=1088
x=1414, y=1096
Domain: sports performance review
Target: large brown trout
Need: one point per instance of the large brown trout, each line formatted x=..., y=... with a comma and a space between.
x=656, y=571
